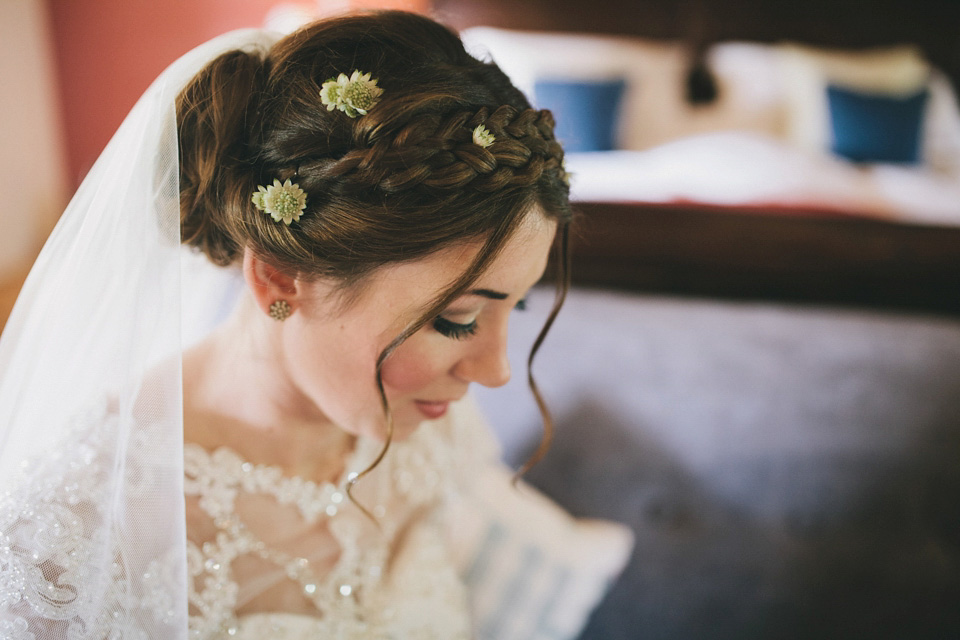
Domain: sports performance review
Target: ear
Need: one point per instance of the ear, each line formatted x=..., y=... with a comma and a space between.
x=268, y=283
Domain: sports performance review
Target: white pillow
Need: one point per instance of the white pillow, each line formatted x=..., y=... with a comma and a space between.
x=893, y=70
x=750, y=90
x=532, y=571
x=654, y=109
x=896, y=71
x=654, y=72
x=941, y=135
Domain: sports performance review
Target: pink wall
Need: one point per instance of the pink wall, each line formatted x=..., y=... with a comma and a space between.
x=33, y=158
x=108, y=52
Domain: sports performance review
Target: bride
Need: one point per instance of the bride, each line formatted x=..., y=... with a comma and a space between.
x=365, y=204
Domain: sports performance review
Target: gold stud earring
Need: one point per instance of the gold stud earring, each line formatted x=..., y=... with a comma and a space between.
x=280, y=310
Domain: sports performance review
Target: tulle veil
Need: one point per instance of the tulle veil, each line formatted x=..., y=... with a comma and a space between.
x=98, y=330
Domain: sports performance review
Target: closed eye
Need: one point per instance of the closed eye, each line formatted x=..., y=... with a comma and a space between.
x=461, y=331
x=454, y=330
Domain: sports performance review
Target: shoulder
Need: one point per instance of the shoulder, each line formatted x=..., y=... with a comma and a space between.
x=76, y=450
x=67, y=476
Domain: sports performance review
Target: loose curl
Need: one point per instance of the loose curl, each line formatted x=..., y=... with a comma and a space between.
x=394, y=185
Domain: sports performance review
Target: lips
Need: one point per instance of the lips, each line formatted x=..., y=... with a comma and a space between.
x=432, y=410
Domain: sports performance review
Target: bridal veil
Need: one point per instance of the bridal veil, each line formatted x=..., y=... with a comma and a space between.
x=91, y=445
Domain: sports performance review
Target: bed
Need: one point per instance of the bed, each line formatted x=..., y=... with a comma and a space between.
x=763, y=382
x=750, y=195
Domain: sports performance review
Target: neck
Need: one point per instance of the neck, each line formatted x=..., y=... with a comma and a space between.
x=237, y=393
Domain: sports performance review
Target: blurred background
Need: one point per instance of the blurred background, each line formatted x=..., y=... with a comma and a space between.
x=758, y=369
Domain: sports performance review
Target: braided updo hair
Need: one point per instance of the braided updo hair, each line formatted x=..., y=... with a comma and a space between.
x=396, y=184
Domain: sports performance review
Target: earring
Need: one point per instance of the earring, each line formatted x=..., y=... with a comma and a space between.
x=280, y=310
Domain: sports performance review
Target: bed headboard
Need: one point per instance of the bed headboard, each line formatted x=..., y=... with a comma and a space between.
x=933, y=25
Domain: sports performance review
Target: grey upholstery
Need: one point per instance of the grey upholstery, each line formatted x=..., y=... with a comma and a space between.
x=789, y=472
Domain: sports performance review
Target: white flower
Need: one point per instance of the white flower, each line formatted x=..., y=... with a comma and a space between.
x=482, y=136
x=284, y=202
x=354, y=96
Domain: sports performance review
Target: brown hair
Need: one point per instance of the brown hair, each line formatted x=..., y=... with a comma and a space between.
x=394, y=185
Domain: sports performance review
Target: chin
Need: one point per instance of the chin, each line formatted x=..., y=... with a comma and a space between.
x=410, y=414
x=406, y=426
x=408, y=417
x=404, y=430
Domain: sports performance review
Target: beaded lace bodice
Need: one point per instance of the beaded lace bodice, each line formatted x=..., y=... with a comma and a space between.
x=268, y=556
x=279, y=539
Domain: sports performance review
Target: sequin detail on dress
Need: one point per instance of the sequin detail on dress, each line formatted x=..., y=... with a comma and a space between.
x=421, y=597
x=56, y=579
x=403, y=586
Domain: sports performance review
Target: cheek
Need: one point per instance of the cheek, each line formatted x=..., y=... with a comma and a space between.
x=331, y=365
x=413, y=366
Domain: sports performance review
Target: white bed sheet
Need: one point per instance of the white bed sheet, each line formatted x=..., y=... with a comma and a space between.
x=742, y=168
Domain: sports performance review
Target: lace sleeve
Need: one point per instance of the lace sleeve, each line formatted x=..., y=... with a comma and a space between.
x=62, y=575
x=531, y=570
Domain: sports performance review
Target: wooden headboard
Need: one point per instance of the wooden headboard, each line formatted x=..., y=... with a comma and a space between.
x=933, y=25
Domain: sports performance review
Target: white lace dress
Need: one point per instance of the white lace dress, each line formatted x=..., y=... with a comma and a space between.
x=268, y=556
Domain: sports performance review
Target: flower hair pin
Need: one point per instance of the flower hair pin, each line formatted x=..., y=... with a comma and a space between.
x=354, y=96
x=482, y=136
x=283, y=202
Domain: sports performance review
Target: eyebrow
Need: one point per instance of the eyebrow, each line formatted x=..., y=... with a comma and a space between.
x=489, y=293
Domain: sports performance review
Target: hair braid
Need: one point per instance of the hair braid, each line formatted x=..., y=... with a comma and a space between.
x=441, y=153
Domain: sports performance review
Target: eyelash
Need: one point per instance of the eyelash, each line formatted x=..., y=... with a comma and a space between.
x=454, y=330
x=458, y=331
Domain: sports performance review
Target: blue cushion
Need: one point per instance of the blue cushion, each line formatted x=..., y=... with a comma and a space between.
x=876, y=128
x=586, y=112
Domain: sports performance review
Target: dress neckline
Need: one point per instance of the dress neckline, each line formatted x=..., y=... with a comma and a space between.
x=356, y=461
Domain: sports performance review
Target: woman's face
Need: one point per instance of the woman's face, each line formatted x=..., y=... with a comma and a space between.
x=330, y=352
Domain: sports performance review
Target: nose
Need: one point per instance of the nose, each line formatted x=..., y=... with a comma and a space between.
x=486, y=363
